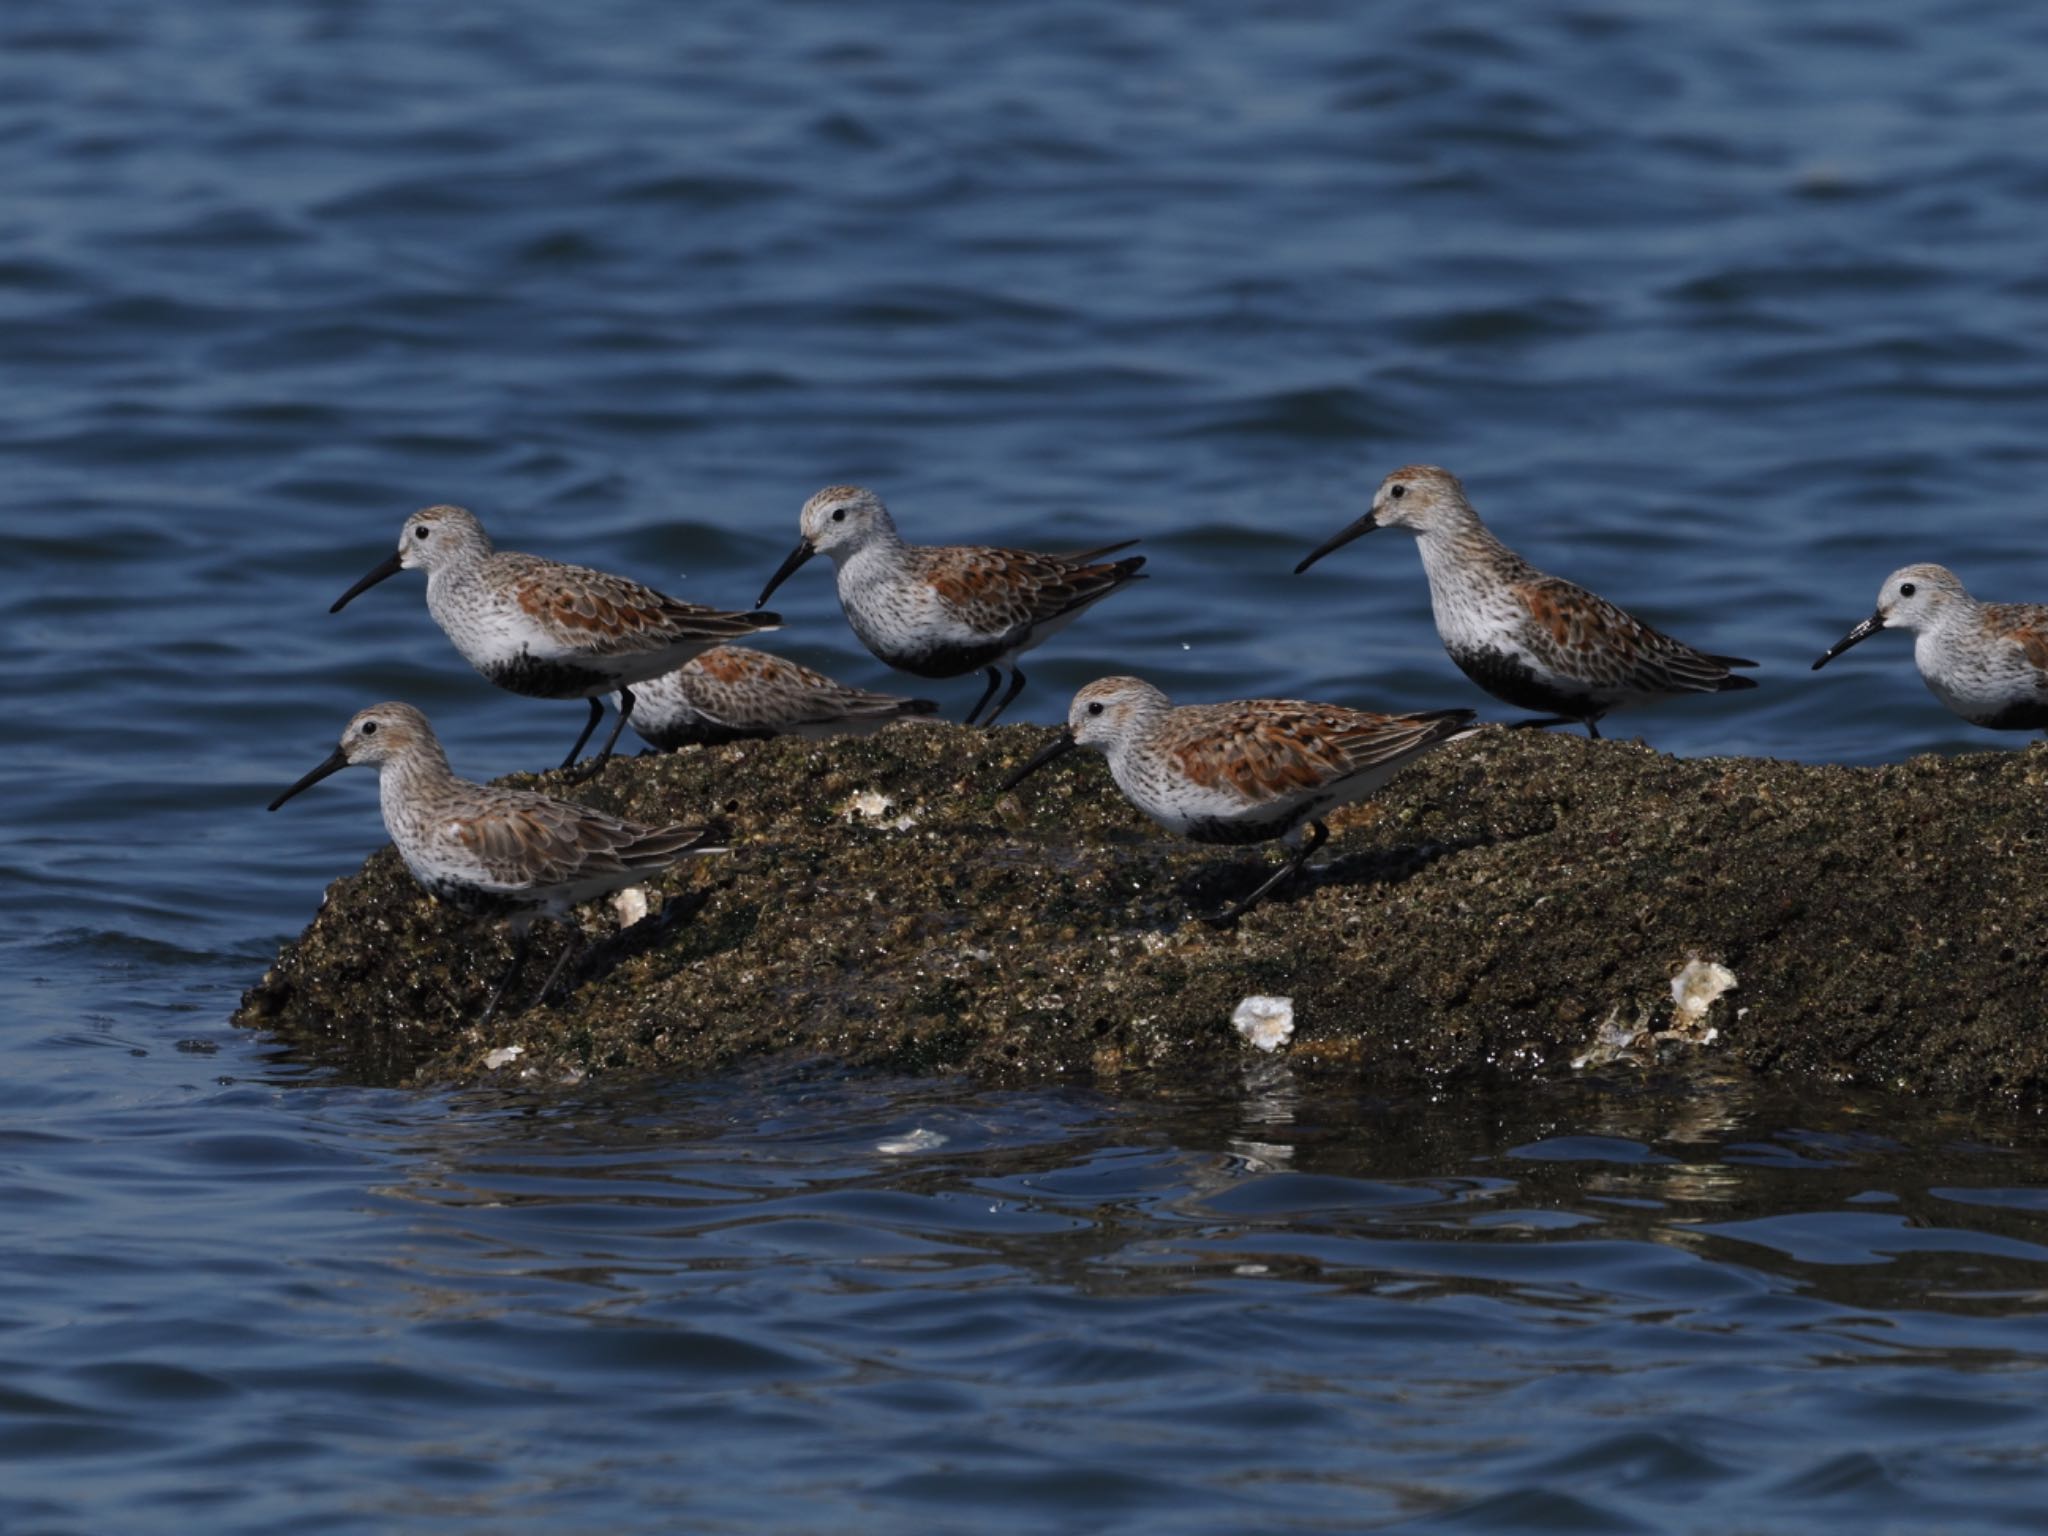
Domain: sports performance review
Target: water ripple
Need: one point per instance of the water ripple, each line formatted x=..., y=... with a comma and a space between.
x=1726, y=312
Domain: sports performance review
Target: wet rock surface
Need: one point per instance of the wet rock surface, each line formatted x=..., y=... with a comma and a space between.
x=1499, y=908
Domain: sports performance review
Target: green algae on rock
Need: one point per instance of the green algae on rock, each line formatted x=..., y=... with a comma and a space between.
x=1487, y=911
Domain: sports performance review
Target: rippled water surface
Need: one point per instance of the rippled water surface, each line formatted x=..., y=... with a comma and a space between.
x=1725, y=310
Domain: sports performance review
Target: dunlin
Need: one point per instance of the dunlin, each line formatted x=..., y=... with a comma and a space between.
x=1988, y=662
x=497, y=853
x=1247, y=771
x=1536, y=641
x=731, y=693
x=547, y=630
x=945, y=610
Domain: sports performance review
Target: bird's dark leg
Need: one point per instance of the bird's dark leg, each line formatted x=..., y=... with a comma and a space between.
x=1537, y=722
x=1593, y=730
x=519, y=949
x=995, y=681
x=1318, y=835
x=1016, y=687
x=568, y=949
x=596, y=714
x=596, y=764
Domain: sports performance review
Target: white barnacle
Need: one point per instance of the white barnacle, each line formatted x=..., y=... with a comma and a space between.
x=1695, y=987
x=1265, y=1022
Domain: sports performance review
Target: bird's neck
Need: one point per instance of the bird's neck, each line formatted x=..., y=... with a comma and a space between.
x=1454, y=553
x=408, y=780
x=1145, y=721
x=457, y=567
x=879, y=553
x=1459, y=535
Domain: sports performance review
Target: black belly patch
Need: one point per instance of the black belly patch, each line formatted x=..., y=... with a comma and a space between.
x=945, y=660
x=1509, y=678
x=2016, y=717
x=475, y=903
x=1238, y=833
x=536, y=679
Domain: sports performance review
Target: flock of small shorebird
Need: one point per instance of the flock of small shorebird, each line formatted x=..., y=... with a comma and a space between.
x=1246, y=771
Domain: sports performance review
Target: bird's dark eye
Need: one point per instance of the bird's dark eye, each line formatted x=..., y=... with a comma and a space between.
x=421, y=533
x=369, y=727
x=839, y=514
x=1397, y=492
x=1095, y=708
x=1905, y=589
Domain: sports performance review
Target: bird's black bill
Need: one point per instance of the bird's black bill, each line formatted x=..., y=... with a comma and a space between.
x=787, y=569
x=1860, y=633
x=1059, y=746
x=384, y=572
x=1357, y=530
x=333, y=764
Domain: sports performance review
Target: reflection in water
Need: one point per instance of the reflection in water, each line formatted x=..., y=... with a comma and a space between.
x=1239, y=1313
x=1270, y=1095
x=815, y=1303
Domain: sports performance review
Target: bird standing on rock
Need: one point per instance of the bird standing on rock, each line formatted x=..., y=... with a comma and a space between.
x=489, y=852
x=1536, y=641
x=1988, y=662
x=735, y=693
x=548, y=630
x=1248, y=771
x=944, y=610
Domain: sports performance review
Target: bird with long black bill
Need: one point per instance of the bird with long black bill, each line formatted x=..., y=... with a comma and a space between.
x=1246, y=771
x=945, y=610
x=1988, y=662
x=1535, y=641
x=507, y=854
x=548, y=630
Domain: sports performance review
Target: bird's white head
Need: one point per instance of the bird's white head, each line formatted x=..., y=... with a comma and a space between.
x=383, y=733
x=1421, y=499
x=841, y=518
x=1915, y=596
x=434, y=538
x=1111, y=710
x=838, y=521
x=1105, y=715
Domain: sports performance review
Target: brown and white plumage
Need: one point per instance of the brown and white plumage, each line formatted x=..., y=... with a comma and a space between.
x=732, y=693
x=1246, y=771
x=596, y=615
x=947, y=610
x=1538, y=642
x=548, y=630
x=1988, y=662
x=1581, y=635
x=500, y=853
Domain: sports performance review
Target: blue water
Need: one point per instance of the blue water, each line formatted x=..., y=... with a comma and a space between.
x=1725, y=311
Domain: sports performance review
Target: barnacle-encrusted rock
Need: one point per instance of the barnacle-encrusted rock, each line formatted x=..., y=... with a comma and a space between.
x=1889, y=926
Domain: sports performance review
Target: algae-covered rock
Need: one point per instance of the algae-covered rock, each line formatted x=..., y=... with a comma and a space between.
x=1499, y=902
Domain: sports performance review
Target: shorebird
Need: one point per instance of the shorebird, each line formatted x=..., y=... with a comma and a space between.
x=1536, y=641
x=1988, y=662
x=944, y=610
x=731, y=693
x=1248, y=771
x=547, y=630
x=497, y=853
